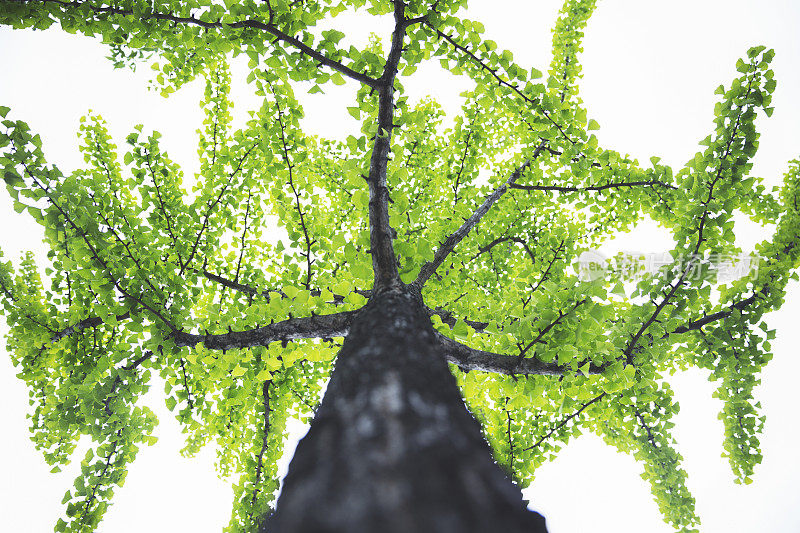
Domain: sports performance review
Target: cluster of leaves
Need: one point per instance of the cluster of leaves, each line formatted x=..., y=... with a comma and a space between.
x=265, y=253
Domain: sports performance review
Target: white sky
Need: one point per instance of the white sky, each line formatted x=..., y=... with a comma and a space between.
x=650, y=69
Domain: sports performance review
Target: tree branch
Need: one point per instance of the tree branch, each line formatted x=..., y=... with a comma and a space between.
x=260, y=456
x=247, y=23
x=566, y=419
x=210, y=205
x=381, y=234
x=500, y=80
x=314, y=327
x=500, y=240
x=163, y=208
x=86, y=323
x=700, y=322
x=295, y=191
x=542, y=332
x=247, y=289
x=449, y=319
x=467, y=359
x=457, y=236
x=559, y=188
x=629, y=350
x=94, y=252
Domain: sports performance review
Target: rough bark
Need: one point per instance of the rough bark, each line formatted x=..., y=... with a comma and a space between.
x=393, y=448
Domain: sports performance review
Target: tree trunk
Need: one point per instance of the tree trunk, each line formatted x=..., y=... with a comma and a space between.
x=393, y=448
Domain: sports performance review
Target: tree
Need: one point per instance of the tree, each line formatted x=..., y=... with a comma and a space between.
x=551, y=353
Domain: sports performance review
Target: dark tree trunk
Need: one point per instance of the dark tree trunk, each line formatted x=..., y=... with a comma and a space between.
x=393, y=448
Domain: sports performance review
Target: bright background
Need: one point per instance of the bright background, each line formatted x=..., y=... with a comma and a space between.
x=650, y=70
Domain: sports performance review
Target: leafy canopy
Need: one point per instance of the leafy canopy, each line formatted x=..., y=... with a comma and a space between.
x=236, y=285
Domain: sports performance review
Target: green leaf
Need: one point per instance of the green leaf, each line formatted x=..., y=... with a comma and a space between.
x=461, y=330
x=13, y=179
x=350, y=252
x=355, y=112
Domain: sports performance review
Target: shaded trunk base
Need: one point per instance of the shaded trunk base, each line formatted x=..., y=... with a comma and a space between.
x=393, y=448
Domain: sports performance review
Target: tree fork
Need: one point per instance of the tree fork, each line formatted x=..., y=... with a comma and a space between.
x=393, y=448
